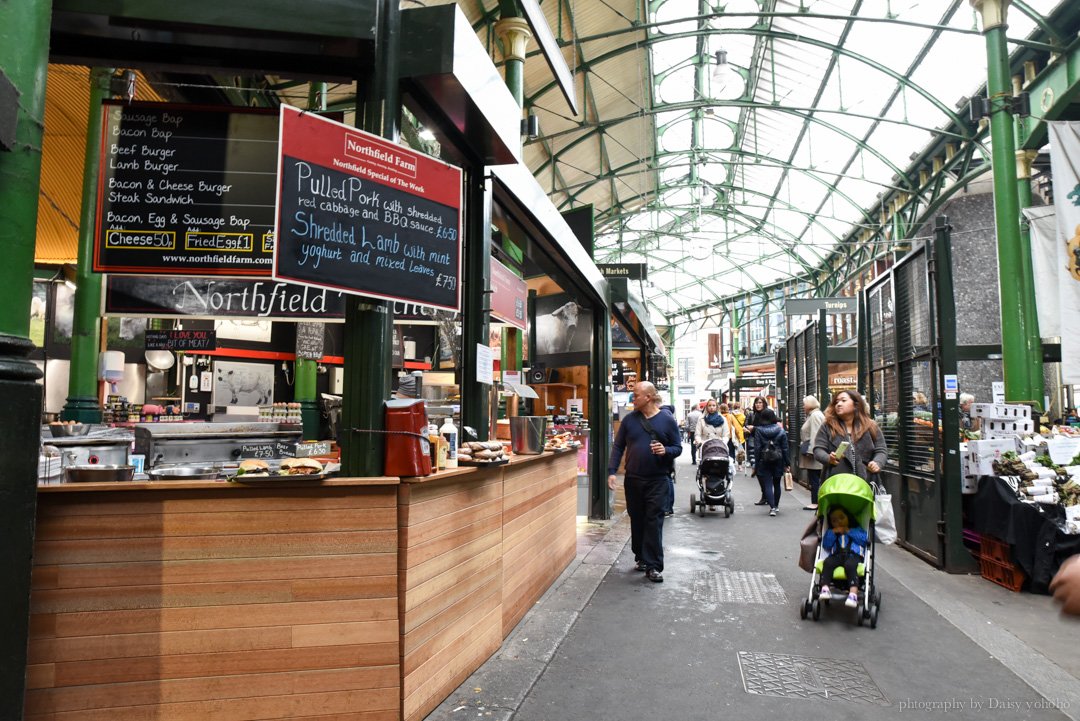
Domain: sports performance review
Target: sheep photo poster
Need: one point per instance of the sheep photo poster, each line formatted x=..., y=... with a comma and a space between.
x=243, y=384
x=563, y=331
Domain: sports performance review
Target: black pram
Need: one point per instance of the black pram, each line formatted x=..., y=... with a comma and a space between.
x=713, y=479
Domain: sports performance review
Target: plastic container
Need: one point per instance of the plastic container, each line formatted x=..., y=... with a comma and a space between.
x=450, y=433
x=1003, y=574
x=527, y=435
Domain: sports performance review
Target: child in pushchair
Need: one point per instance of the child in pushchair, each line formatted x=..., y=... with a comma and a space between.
x=713, y=479
x=844, y=562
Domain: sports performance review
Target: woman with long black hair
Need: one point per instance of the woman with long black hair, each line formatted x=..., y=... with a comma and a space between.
x=847, y=420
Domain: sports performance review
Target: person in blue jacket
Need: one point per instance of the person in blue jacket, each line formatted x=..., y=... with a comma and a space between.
x=845, y=542
x=651, y=441
x=770, y=456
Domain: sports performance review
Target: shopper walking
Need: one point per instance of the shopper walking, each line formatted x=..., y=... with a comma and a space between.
x=669, y=497
x=737, y=419
x=771, y=459
x=807, y=434
x=847, y=421
x=651, y=441
x=758, y=406
x=691, y=421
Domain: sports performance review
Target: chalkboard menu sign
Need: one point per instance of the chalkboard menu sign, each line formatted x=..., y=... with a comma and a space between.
x=186, y=190
x=310, y=341
x=180, y=297
x=359, y=214
x=186, y=340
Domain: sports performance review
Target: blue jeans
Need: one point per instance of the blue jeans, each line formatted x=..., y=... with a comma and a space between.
x=771, y=478
x=644, y=505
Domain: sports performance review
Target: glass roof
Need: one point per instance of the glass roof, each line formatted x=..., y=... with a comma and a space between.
x=735, y=144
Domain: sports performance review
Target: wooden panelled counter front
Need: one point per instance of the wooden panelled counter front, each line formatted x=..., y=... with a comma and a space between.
x=347, y=599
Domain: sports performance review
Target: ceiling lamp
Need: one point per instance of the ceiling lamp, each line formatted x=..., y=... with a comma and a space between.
x=720, y=68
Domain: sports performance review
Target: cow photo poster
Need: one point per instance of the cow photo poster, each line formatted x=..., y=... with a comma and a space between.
x=563, y=331
x=242, y=384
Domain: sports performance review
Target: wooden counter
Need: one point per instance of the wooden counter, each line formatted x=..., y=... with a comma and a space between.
x=476, y=550
x=207, y=600
x=367, y=598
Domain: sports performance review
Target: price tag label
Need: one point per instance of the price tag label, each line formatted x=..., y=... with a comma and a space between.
x=269, y=450
x=306, y=450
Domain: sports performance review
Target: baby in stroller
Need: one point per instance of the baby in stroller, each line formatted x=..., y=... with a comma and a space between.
x=845, y=542
x=844, y=534
x=714, y=478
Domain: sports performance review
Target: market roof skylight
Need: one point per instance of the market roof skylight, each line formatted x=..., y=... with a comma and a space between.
x=728, y=178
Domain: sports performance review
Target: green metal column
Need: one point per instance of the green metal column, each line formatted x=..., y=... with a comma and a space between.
x=368, y=323
x=82, y=401
x=24, y=53
x=1024, y=159
x=1022, y=362
x=515, y=34
x=476, y=300
x=307, y=371
x=736, y=329
x=955, y=557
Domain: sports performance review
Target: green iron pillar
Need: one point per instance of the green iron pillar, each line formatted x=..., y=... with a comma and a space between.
x=307, y=370
x=1022, y=362
x=736, y=329
x=1024, y=159
x=476, y=299
x=24, y=56
x=82, y=401
x=368, y=323
x=515, y=35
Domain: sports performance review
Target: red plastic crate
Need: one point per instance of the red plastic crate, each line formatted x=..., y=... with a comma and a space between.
x=996, y=550
x=1003, y=574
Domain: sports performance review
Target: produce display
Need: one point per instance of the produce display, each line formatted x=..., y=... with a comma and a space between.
x=482, y=453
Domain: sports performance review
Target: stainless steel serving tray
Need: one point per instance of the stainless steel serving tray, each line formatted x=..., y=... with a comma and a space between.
x=98, y=474
x=185, y=473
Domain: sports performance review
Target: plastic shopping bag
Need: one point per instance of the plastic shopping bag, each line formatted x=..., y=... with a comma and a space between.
x=885, y=525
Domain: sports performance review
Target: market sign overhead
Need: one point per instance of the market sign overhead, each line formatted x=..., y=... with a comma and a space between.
x=362, y=215
x=811, y=306
x=509, y=294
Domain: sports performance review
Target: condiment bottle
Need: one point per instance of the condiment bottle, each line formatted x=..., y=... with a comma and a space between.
x=449, y=432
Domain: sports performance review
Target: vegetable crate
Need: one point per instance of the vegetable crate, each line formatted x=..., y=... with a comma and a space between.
x=995, y=550
x=1001, y=411
x=1003, y=574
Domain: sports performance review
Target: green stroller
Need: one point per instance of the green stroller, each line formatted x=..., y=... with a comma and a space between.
x=855, y=496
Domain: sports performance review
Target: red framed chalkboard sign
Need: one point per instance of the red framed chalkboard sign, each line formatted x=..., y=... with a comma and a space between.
x=362, y=215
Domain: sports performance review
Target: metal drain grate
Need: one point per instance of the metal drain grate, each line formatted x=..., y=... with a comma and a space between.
x=716, y=587
x=748, y=587
x=773, y=674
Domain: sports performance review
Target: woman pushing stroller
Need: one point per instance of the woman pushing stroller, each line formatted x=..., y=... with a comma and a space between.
x=849, y=441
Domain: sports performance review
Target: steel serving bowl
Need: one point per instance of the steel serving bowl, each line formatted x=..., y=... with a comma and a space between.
x=185, y=473
x=98, y=473
x=67, y=430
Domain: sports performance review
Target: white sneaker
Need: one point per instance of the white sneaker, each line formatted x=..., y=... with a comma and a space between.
x=826, y=593
x=852, y=600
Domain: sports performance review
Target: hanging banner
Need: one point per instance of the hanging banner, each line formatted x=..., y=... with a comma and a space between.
x=362, y=215
x=1042, y=220
x=1065, y=166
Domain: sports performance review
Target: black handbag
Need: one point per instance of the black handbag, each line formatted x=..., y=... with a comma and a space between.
x=804, y=448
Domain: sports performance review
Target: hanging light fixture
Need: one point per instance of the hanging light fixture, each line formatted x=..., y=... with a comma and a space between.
x=720, y=69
